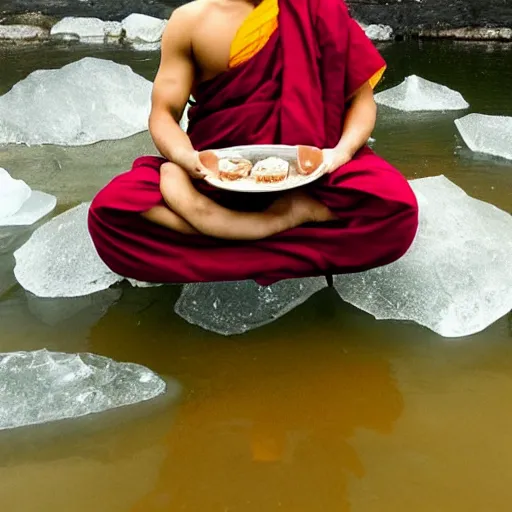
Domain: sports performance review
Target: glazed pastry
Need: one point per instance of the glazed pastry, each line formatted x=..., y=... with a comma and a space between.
x=270, y=170
x=232, y=169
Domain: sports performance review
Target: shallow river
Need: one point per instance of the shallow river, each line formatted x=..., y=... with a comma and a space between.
x=324, y=410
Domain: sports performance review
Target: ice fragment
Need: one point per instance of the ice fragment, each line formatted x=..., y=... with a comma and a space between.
x=41, y=386
x=88, y=29
x=456, y=279
x=236, y=307
x=417, y=94
x=19, y=205
x=379, y=32
x=13, y=193
x=59, y=259
x=487, y=134
x=82, y=103
x=142, y=28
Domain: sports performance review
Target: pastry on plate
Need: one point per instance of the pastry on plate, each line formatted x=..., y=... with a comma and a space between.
x=309, y=159
x=270, y=170
x=234, y=168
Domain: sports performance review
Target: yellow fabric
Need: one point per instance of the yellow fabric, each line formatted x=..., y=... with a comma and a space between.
x=254, y=33
x=375, y=79
x=257, y=29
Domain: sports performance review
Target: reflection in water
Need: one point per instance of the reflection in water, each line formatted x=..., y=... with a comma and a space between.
x=56, y=311
x=266, y=425
x=76, y=465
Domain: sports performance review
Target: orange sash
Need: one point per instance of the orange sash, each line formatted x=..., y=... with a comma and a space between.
x=257, y=29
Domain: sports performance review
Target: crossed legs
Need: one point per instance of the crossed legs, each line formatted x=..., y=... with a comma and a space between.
x=190, y=212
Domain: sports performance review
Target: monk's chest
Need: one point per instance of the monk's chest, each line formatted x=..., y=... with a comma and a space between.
x=212, y=41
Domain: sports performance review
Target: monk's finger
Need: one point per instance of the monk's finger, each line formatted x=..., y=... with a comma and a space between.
x=196, y=175
x=205, y=171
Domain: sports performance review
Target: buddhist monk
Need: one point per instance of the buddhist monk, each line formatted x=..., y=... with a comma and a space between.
x=295, y=72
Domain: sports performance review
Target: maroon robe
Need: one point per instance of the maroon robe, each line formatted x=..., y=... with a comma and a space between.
x=294, y=91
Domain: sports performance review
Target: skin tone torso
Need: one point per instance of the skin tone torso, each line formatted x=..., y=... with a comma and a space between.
x=217, y=24
x=196, y=47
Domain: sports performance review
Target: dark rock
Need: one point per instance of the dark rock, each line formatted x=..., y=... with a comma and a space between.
x=104, y=9
x=407, y=16
x=31, y=18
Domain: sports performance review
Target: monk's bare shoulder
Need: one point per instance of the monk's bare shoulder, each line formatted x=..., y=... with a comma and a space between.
x=191, y=13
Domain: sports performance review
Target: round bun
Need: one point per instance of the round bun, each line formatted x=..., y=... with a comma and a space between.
x=232, y=169
x=270, y=170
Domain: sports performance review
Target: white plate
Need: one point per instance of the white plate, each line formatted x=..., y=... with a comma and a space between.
x=259, y=152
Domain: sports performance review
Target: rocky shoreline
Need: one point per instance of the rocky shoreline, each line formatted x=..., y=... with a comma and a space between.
x=489, y=20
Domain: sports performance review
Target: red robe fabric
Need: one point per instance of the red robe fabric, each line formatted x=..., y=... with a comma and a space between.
x=294, y=91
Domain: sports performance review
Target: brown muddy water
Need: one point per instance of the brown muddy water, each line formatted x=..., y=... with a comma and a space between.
x=325, y=410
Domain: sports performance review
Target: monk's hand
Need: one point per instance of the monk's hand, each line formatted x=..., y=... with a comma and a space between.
x=334, y=158
x=190, y=162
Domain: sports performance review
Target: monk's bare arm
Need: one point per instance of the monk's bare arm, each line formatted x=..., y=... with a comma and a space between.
x=359, y=123
x=171, y=89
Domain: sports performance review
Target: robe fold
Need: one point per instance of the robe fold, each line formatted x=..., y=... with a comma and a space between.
x=289, y=84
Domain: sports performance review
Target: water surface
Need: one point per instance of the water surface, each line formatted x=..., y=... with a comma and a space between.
x=327, y=409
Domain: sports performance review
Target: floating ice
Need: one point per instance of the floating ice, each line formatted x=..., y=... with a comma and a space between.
x=487, y=134
x=59, y=259
x=84, y=102
x=113, y=29
x=379, y=32
x=41, y=386
x=13, y=193
x=142, y=28
x=237, y=307
x=85, y=28
x=457, y=277
x=19, y=205
x=418, y=94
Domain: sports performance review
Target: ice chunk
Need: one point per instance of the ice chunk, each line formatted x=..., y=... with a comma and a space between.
x=237, y=307
x=19, y=205
x=113, y=29
x=146, y=47
x=13, y=194
x=36, y=207
x=142, y=284
x=379, y=32
x=417, y=94
x=487, y=134
x=456, y=279
x=41, y=386
x=142, y=28
x=59, y=259
x=84, y=102
x=88, y=29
